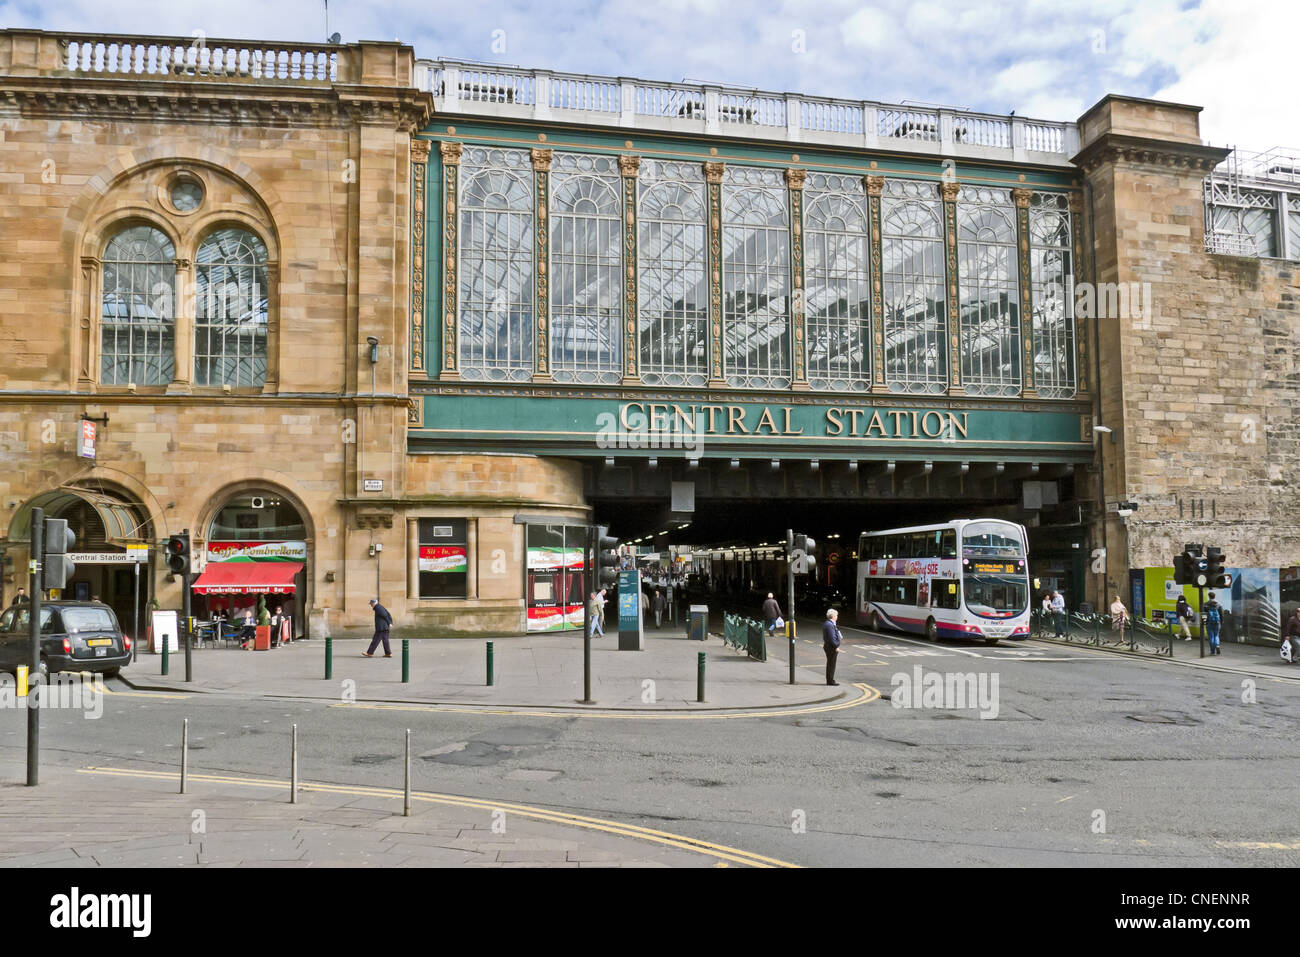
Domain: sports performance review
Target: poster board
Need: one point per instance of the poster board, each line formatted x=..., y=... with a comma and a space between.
x=165, y=628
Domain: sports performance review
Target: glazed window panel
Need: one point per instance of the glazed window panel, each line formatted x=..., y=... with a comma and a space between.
x=496, y=265
x=443, y=558
x=912, y=262
x=672, y=267
x=231, y=310
x=755, y=278
x=837, y=284
x=988, y=292
x=1293, y=228
x=137, y=323
x=586, y=269
x=1051, y=268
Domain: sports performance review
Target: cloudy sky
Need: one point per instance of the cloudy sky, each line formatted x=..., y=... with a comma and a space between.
x=1050, y=59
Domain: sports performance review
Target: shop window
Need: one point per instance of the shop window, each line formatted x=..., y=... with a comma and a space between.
x=444, y=558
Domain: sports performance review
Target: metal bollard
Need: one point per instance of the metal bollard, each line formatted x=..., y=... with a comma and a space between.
x=406, y=661
x=166, y=644
x=293, y=768
x=406, y=797
x=185, y=752
x=489, y=664
x=329, y=658
x=699, y=676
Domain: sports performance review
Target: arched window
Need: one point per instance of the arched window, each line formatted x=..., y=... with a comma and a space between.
x=1053, y=311
x=755, y=278
x=673, y=260
x=837, y=282
x=586, y=269
x=137, y=323
x=989, y=303
x=231, y=310
x=916, y=359
x=496, y=265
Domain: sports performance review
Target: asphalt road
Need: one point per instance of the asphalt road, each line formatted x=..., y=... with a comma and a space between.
x=1092, y=760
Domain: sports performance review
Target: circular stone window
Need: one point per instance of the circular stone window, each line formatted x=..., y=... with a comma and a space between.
x=186, y=194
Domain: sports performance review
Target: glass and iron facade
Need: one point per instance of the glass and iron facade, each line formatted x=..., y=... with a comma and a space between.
x=586, y=261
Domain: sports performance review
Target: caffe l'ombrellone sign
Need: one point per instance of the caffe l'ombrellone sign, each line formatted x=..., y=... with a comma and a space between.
x=443, y=558
x=257, y=551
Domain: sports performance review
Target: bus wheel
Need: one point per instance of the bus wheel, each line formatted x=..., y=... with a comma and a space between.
x=931, y=631
x=875, y=622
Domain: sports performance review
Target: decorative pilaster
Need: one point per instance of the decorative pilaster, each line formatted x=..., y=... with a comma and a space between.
x=1076, y=266
x=183, y=316
x=794, y=180
x=420, y=150
x=87, y=341
x=629, y=166
x=450, y=153
x=949, y=190
x=541, y=270
x=713, y=178
x=412, y=559
x=875, y=187
x=1022, y=197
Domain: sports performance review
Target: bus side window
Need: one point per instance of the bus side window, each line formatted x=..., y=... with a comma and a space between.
x=949, y=544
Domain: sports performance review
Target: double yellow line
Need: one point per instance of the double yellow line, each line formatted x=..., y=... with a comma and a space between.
x=721, y=852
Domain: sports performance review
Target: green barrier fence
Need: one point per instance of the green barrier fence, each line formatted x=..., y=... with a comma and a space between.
x=745, y=634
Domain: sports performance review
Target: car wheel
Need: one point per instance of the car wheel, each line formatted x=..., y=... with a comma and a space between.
x=931, y=630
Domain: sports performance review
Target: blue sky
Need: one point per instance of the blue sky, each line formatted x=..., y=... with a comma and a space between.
x=1042, y=58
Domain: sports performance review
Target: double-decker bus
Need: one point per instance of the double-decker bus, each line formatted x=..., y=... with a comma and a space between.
x=963, y=579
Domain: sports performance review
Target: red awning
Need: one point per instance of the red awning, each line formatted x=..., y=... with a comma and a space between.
x=247, y=578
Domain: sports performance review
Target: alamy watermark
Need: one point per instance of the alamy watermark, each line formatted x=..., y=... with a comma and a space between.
x=946, y=691
x=652, y=427
x=62, y=692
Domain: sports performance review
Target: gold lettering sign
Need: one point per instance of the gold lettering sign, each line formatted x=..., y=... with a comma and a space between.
x=732, y=419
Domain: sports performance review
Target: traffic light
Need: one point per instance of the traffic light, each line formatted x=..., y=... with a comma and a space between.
x=1214, y=568
x=606, y=558
x=178, y=554
x=59, y=540
x=802, y=557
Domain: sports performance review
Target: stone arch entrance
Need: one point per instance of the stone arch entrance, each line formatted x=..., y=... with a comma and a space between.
x=255, y=524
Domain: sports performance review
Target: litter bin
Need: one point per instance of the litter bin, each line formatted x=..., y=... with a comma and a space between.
x=698, y=625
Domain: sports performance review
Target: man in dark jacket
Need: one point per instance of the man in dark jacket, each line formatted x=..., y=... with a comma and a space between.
x=1183, y=612
x=1213, y=621
x=831, y=644
x=771, y=612
x=383, y=621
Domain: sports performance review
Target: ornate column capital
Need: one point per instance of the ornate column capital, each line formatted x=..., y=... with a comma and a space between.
x=450, y=152
x=183, y=263
x=629, y=166
x=420, y=150
x=875, y=184
x=949, y=190
x=713, y=172
x=794, y=178
x=1021, y=196
x=541, y=157
x=91, y=262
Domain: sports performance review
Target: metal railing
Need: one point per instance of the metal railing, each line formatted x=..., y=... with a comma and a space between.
x=460, y=86
x=745, y=634
x=1100, y=631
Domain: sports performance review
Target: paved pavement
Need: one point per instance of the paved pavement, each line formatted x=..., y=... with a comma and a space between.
x=89, y=818
x=544, y=670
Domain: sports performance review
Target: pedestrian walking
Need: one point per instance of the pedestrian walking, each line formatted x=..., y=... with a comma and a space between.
x=831, y=643
x=383, y=622
x=1118, y=617
x=771, y=613
x=1058, y=613
x=1184, y=613
x=596, y=612
x=1213, y=622
x=1291, y=643
x=21, y=597
x=658, y=604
